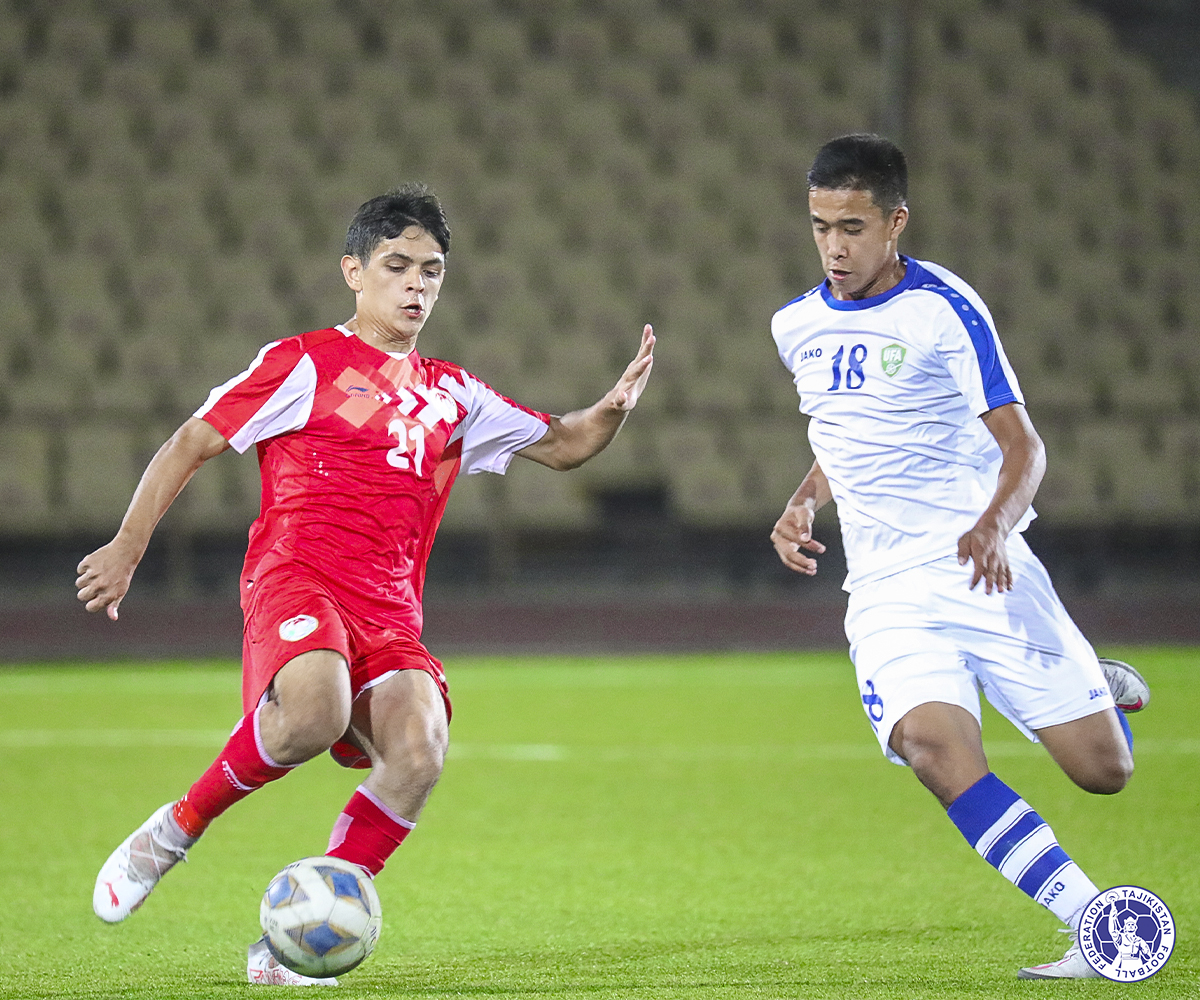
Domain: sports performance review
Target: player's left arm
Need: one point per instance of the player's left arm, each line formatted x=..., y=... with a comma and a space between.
x=575, y=437
x=1021, y=472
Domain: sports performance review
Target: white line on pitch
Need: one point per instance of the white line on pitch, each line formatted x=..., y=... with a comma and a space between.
x=553, y=752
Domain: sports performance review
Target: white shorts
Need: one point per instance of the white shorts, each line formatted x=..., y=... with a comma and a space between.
x=922, y=635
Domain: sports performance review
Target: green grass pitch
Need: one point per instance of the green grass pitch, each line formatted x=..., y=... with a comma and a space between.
x=637, y=827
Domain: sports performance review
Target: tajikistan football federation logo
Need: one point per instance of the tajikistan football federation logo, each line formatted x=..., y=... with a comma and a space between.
x=892, y=357
x=1126, y=933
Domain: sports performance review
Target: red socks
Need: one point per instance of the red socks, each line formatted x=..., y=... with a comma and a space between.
x=241, y=768
x=367, y=832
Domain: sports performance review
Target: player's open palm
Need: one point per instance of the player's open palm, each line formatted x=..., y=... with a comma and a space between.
x=104, y=578
x=629, y=387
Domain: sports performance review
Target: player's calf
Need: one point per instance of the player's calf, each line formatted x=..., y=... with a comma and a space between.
x=1093, y=751
x=1019, y=844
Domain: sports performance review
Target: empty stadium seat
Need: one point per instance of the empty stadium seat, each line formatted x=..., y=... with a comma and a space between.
x=24, y=480
x=472, y=504
x=223, y=495
x=542, y=499
x=598, y=155
x=102, y=468
x=776, y=457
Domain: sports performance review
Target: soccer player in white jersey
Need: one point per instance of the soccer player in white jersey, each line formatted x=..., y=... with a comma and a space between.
x=922, y=440
x=359, y=440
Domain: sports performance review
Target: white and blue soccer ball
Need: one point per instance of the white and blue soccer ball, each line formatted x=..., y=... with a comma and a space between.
x=321, y=916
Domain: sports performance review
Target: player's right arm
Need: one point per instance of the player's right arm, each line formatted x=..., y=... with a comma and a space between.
x=792, y=533
x=104, y=575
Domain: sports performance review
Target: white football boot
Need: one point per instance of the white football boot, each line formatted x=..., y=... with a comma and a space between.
x=1129, y=688
x=135, y=867
x=1071, y=966
x=263, y=969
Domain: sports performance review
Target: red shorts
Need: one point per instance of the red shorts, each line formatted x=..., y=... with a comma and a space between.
x=289, y=614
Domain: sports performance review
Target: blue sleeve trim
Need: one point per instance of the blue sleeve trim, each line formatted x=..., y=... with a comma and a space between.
x=996, y=388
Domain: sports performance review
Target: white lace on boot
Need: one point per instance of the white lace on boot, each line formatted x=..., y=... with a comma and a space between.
x=135, y=867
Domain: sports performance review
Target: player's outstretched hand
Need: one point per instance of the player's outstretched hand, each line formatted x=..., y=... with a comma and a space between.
x=985, y=548
x=104, y=578
x=792, y=534
x=625, y=393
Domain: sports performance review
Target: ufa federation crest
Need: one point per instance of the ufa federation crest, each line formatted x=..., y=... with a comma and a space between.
x=892, y=357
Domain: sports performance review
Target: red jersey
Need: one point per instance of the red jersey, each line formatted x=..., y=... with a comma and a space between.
x=357, y=450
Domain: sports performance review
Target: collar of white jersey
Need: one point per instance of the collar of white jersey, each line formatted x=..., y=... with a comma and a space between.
x=391, y=354
x=912, y=274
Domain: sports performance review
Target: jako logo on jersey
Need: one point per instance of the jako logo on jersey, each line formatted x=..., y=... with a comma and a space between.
x=892, y=357
x=295, y=629
x=1126, y=934
x=809, y=353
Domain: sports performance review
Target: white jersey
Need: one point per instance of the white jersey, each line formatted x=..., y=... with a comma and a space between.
x=895, y=385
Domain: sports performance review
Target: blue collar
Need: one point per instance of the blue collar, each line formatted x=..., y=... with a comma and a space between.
x=912, y=274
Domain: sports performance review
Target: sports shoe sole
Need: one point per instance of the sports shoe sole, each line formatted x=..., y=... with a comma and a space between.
x=1141, y=702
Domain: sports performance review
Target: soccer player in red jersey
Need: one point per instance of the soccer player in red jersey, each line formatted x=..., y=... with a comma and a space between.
x=359, y=440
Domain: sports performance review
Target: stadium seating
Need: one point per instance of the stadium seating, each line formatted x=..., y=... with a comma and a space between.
x=175, y=182
x=25, y=480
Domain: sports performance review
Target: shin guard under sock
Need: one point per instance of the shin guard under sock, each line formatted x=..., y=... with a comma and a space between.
x=1018, y=843
x=367, y=832
x=241, y=768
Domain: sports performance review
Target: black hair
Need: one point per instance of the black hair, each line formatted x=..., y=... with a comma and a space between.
x=388, y=215
x=863, y=162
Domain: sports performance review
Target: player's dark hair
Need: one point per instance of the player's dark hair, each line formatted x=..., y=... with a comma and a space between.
x=863, y=162
x=387, y=216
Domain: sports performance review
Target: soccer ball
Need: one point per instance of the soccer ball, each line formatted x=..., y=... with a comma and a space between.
x=321, y=916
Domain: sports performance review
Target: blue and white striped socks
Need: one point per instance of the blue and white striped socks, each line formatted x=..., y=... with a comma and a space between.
x=1018, y=843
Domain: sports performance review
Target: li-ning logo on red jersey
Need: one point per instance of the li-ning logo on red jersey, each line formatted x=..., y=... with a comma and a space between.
x=295, y=629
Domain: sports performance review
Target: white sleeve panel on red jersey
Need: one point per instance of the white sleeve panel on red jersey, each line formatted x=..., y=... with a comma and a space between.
x=495, y=428
x=271, y=397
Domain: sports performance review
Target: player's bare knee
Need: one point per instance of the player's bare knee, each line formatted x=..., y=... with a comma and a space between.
x=1108, y=776
x=925, y=752
x=410, y=768
x=425, y=751
x=303, y=732
x=426, y=766
x=303, y=724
